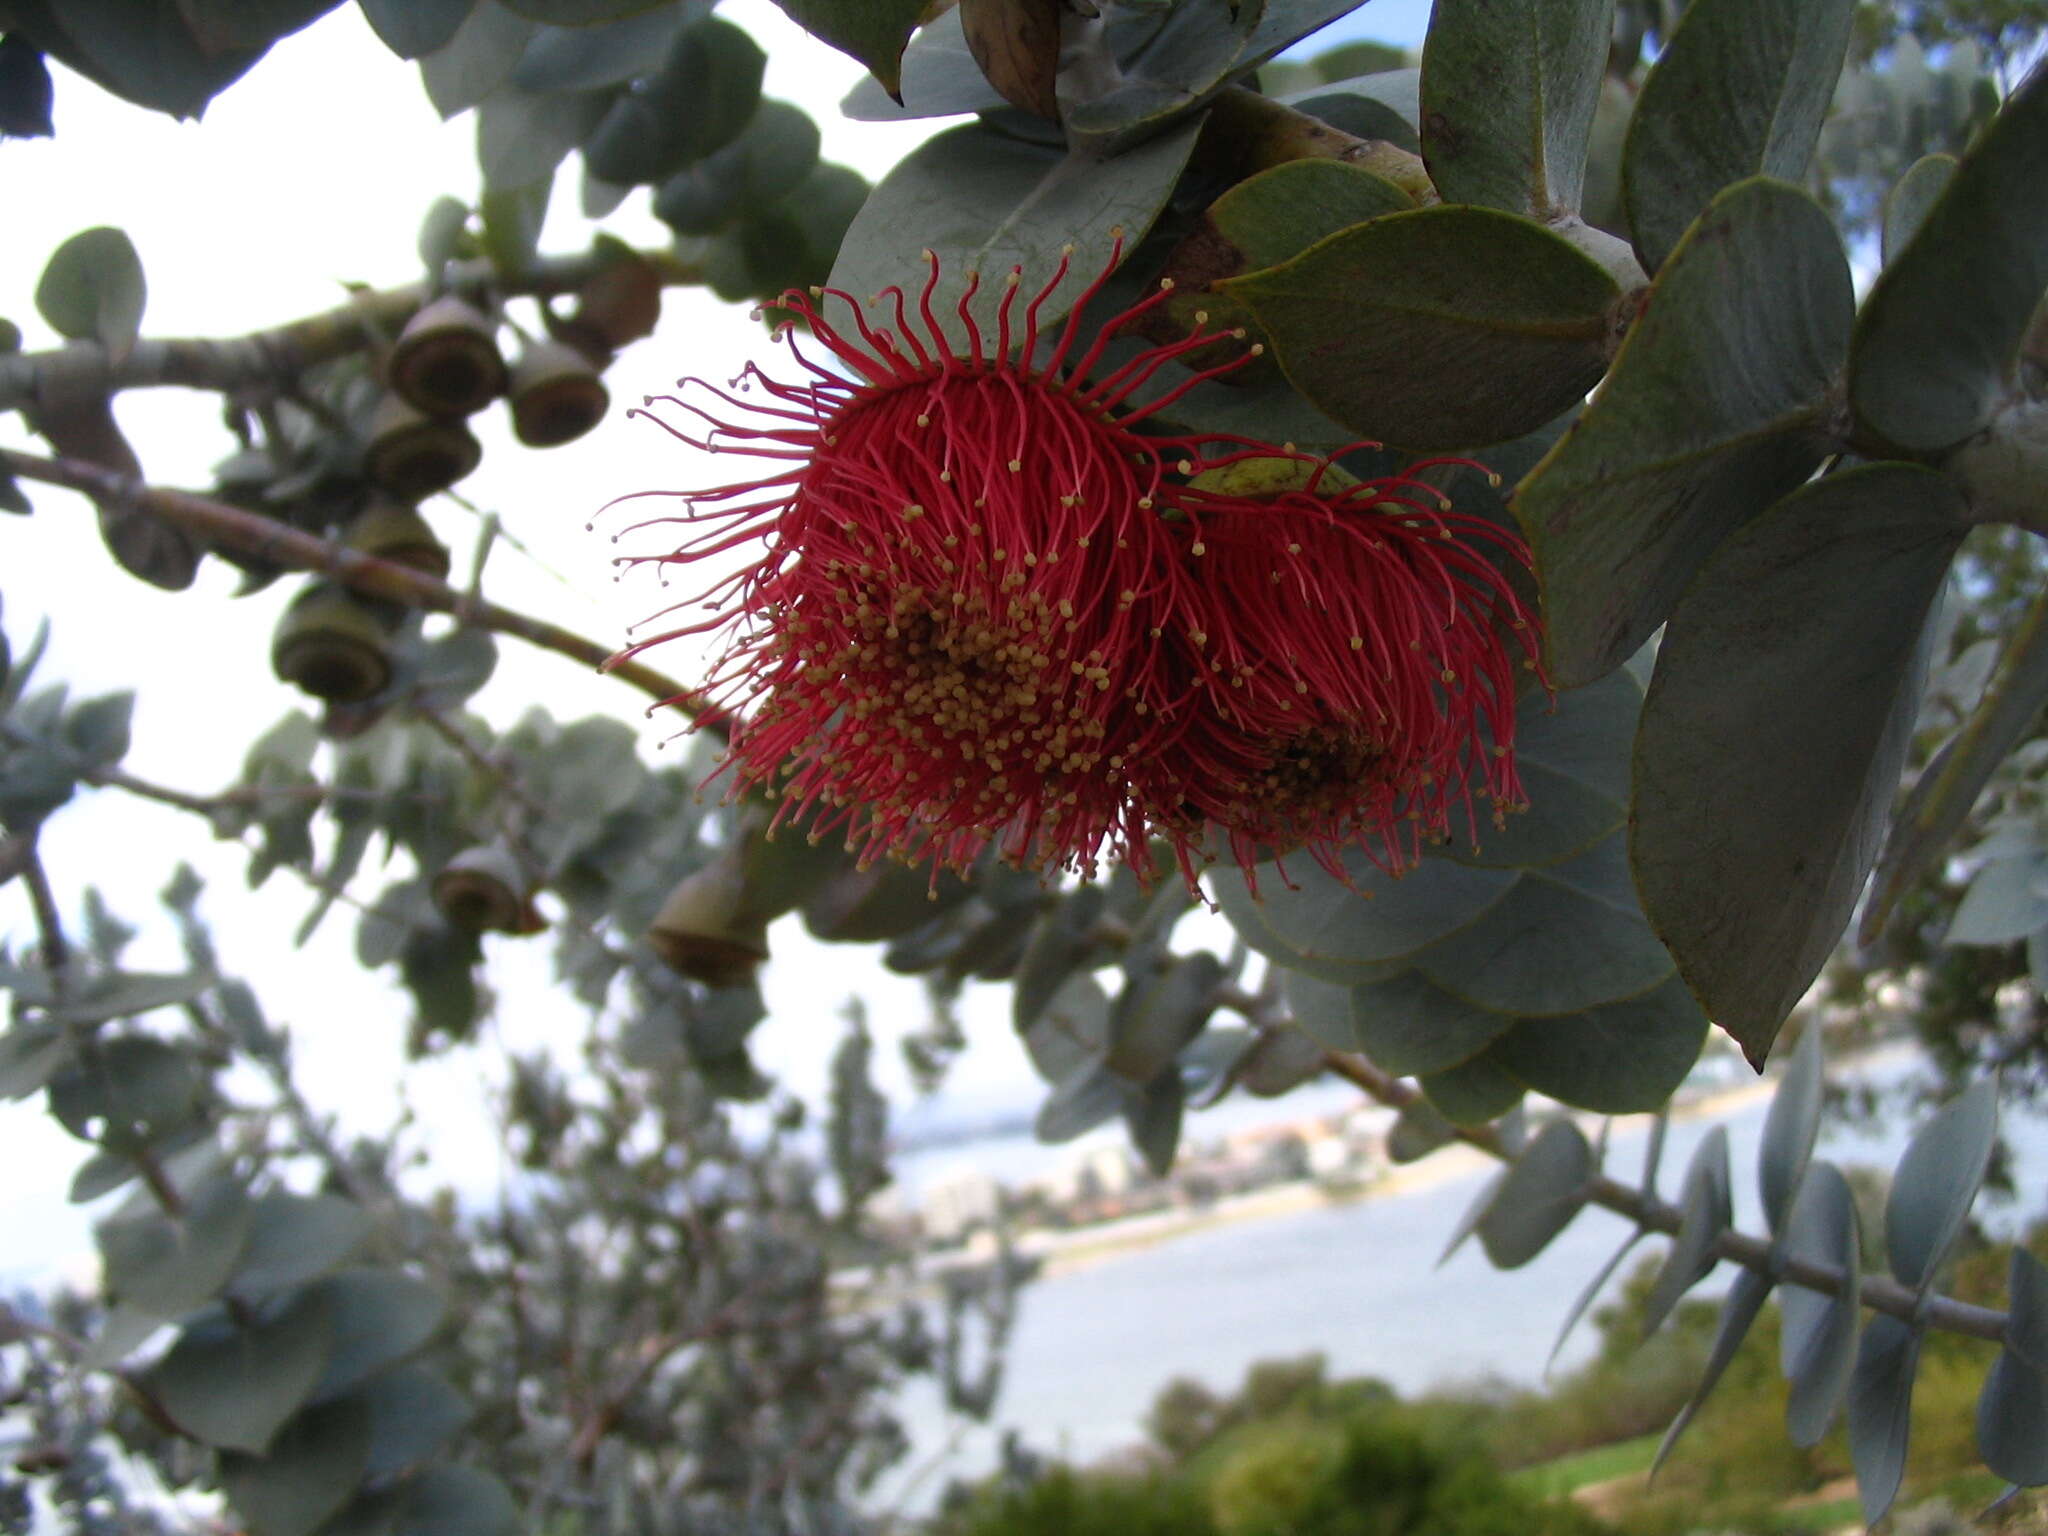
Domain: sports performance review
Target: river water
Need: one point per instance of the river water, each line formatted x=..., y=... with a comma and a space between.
x=1359, y=1282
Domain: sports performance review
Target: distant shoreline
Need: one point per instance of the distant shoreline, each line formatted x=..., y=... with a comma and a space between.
x=1070, y=1251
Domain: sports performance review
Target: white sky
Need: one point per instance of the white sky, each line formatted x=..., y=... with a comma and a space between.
x=312, y=172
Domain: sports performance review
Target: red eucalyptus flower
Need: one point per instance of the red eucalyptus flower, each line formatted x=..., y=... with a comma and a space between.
x=1357, y=642
x=989, y=609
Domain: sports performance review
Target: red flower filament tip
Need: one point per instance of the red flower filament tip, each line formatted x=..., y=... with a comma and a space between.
x=988, y=609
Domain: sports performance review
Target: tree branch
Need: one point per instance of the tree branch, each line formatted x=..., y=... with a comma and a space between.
x=219, y=523
x=1880, y=1293
x=272, y=358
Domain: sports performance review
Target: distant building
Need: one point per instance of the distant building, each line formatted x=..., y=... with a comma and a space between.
x=957, y=1203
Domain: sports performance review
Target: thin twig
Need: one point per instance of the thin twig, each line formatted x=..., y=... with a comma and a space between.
x=219, y=523
x=56, y=949
x=1880, y=1293
x=273, y=359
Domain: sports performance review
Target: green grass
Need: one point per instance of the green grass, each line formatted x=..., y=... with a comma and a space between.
x=1555, y=1479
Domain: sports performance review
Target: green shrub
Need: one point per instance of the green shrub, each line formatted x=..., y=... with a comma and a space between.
x=1065, y=1502
x=1375, y=1474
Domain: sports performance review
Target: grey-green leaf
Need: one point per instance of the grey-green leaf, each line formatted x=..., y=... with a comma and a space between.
x=1789, y=1132
x=584, y=58
x=1409, y=1024
x=1348, y=932
x=412, y=28
x=1739, y=89
x=458, y=1501
x=1940, y=800
x=308, y=1473
x=1774, y=732
x=1062, y=942
x=1080, y=1103
x=1153, y=1115
x=412, y=1411
x=476, y=59
x=1545, y=1189
x=1474, y=1091
x=1508, y=91
x=1706, y=1208
x=1817, y=1348
x=233, y=1386
x=985, y=203
x=1912, y=196
x=1419, y=1131
x=170, y=1265
x=296, y=1238
x=93, y=290
x=2012, y=1421
x=2005, y=902
x=1561, y=940
x=1881, y=1410
x=1936, y=339
x=2026, y=1302
x=1444, y=327
x=1744, y=1301
x=1573, y=759
x=1159, y=1013
x=873, y=31
x=1937, y=1180
x=1624, y=1057
x=1713, y=409
x=379, y=1317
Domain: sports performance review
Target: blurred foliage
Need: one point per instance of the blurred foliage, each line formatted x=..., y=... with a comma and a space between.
x=689, y=1309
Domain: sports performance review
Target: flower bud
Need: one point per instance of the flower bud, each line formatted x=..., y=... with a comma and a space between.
x=484, y=890
x=391, y=530
x=412, y=455
x=446, y=360
x=332, y=646
x=556, y=395
x=705, y=931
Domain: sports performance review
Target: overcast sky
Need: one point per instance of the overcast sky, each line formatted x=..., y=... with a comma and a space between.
x=309, y=174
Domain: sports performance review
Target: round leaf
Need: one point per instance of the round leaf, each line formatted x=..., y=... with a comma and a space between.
x=93, y=290
x=296, y=1238
x=1563, y=939
x=872, y=31
x=985, y=203
x=1739, y=89
x=1817, y=1348
x=1508, y=91
x=379, y=1317
x=411, y=28
x=1411, y=1025
x=1936, y=338
x=1545, y=1189
x=1474, y=1091
x=1775, y=730
x=1912, y=196
x=1706, y=1209
x=2012, y=1421
x=1620, y=1058
x=1711, y=411
x=1573, y=758
x=583, y=58
x=232, y=1386
x=1936, y=1181
x=1444, y=327
x=1881, y=1410
x=309, y=1472
x=1348, y=932
x=1789, y=1131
